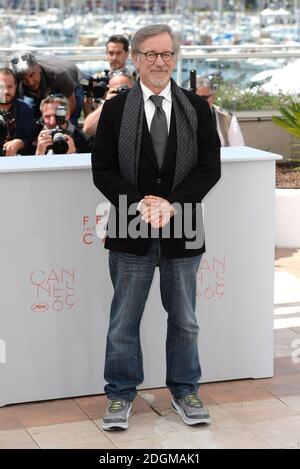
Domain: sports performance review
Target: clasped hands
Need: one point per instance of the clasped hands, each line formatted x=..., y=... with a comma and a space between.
x=156, y=211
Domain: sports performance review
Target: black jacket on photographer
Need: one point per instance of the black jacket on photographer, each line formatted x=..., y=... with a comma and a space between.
x=58, y=76
x=24, y=126
x=82, y=141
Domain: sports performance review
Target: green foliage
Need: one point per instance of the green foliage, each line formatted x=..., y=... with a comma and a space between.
x=249, y=97
x=290, y=118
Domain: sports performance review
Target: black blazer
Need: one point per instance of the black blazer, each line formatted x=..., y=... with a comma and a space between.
x=151, y=181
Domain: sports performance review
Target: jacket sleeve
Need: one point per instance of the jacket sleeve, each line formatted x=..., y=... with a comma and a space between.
x=105, y=164
x=25, y=127
x=208, y=170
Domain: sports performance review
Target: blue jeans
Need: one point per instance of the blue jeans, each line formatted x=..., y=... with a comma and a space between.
x=132, y=277
x=79, y=96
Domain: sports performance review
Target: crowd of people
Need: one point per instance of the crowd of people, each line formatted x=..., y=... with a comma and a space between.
x=42, y=96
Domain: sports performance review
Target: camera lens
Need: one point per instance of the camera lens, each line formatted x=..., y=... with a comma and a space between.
x=59, y=144
x=100, y=88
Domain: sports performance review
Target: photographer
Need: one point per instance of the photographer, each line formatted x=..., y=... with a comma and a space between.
x=59, y=135
x=17, y=127
x=39, y=76
x=94, y=89
x=118, y=83
x=227, y=124
x=117, y=51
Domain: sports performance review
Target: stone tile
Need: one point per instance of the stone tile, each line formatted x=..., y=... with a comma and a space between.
x=159, y=398
x=93, y=406
x=48, y=413
x=258, y=411
x=171, y=440
x=82, y=434
x=234, y=438
x=283, y=342
x=292, y=401
x=236, y=391
x=16, y=439
x=145, y=443
x=282, y=385
x=8, y=420
x=283, y=433
x=285, y=366
x=287, y=335
x=141, y=406
x=226, y=433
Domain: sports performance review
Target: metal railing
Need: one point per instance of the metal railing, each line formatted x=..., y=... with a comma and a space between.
x=188, y=56
x=187, y=53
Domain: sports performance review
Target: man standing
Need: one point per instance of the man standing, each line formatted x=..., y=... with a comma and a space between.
x=117, y=51
x=227, y=124
x=17, y=118
x=156, y=147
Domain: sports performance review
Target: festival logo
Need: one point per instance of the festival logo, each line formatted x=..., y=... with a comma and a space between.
x=91, y=227
x=54, y=290
x=211, y=279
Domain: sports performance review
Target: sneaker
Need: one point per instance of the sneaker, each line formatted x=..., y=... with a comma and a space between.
x=116, y=416
x=191, y=409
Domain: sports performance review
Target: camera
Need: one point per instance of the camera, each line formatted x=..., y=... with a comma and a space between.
x=96, y=86
x=6, y=127
x=122, y=88
x=60, y=144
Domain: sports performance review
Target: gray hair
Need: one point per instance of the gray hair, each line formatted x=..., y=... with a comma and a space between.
x=22, y=62
x=153, y=30
x=60, y=100
x=203, y=81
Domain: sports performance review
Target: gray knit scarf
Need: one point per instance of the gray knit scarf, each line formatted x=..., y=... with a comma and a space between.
x=132, y=127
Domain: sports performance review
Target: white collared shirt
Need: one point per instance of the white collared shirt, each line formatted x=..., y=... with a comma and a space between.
x=150, y=106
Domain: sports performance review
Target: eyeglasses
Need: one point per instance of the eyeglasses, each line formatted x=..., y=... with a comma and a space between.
x=152, y=56
x=206, y=97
